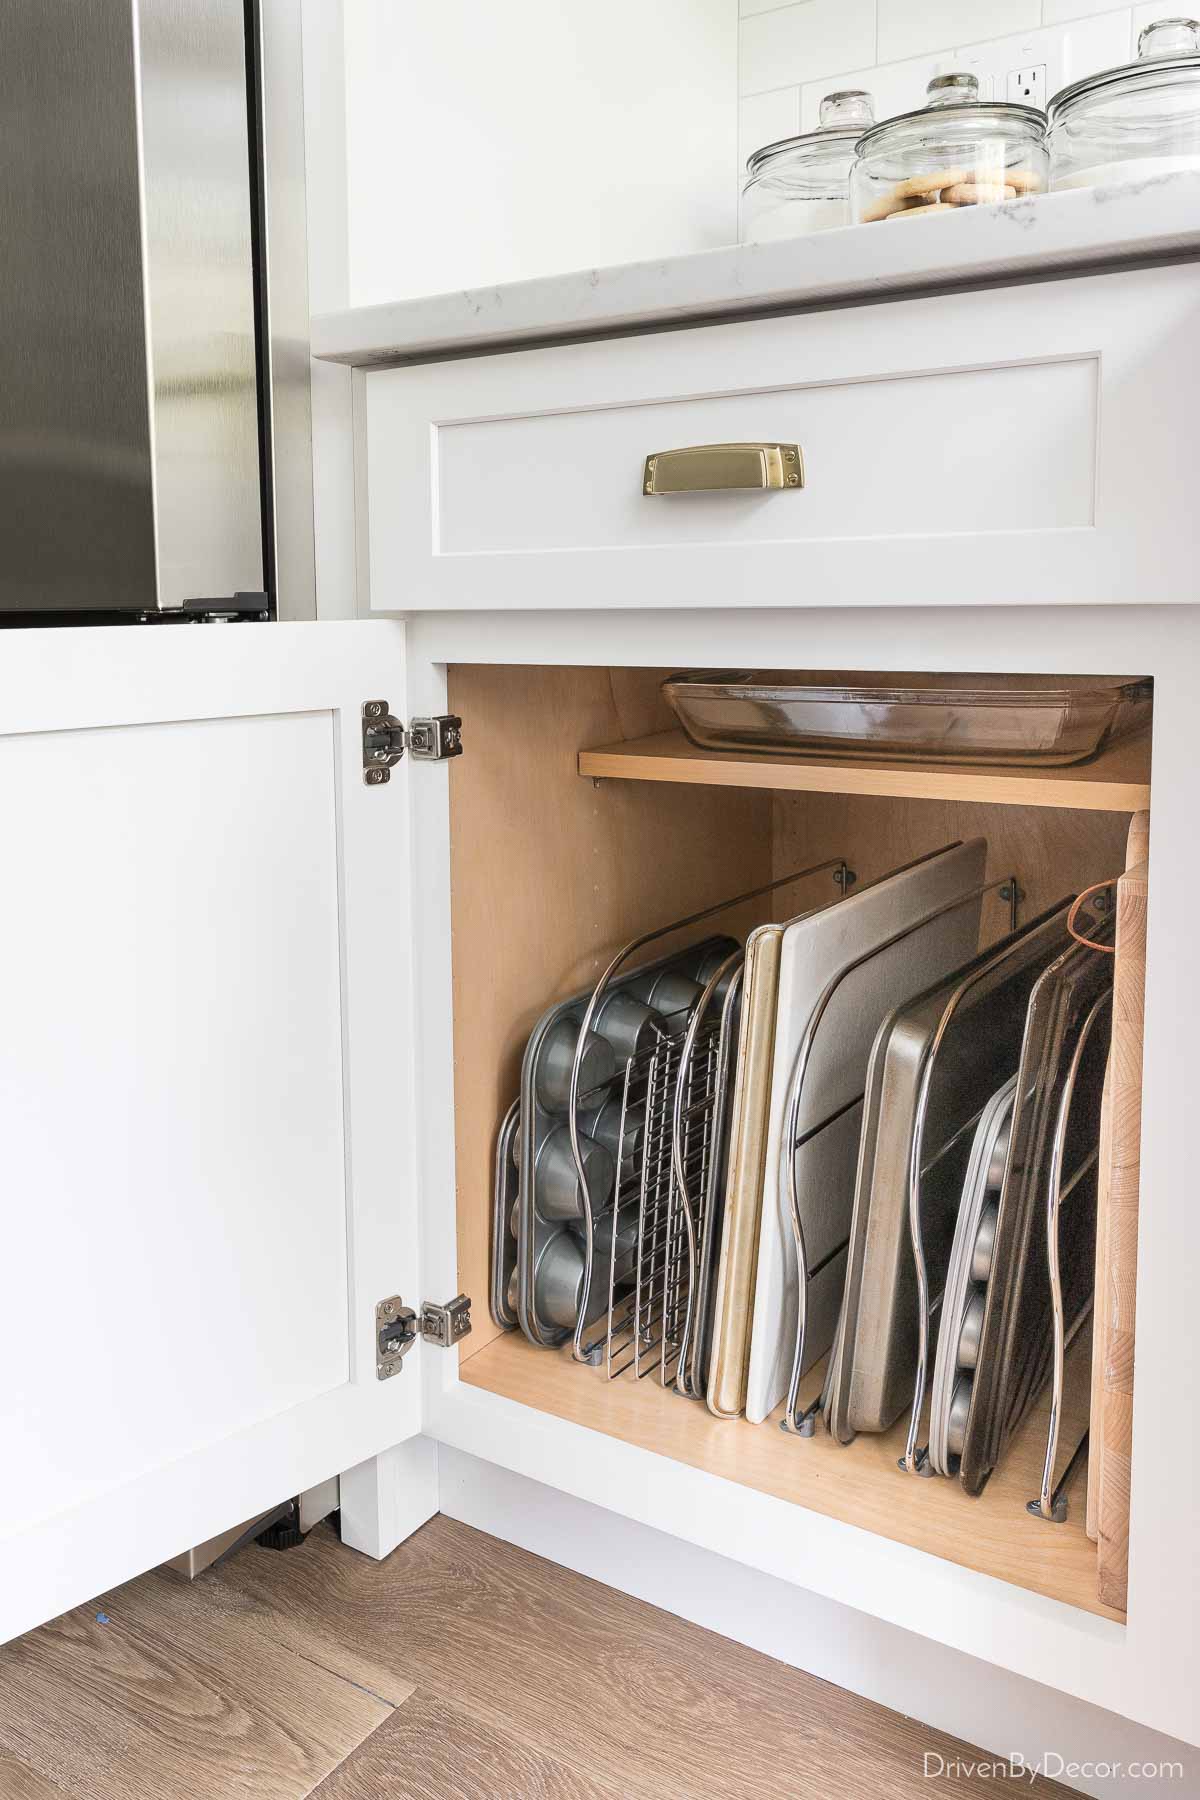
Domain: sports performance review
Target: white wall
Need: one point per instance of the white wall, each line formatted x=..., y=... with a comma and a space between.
x=792, y=55
x=490, y=142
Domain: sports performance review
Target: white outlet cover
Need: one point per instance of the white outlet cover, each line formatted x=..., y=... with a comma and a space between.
x=1066, y=52
x=1027, y=85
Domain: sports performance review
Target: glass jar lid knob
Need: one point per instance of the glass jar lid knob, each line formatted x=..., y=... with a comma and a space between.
x=850, y=107
x=957, y=89
x=1169, y=37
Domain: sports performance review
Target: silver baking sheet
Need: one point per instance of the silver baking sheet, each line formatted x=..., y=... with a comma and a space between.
x=877, y=1351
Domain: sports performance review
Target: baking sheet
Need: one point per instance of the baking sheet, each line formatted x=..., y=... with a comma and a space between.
x=877, y=1353
x=814, y=949
x=1015, y=1349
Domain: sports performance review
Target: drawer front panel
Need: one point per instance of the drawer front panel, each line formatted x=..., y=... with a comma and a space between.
x=972, y=450
x=992, y=448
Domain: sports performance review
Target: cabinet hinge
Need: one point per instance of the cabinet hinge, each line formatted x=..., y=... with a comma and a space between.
x=385, y=739
x=398, y=1326
x=446, y=1325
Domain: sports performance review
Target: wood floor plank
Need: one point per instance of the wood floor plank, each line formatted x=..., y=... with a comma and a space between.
x=19, y=1782
x=303, y=1635
x=149, y=1695
x=431, y=1749
x=580, y=1673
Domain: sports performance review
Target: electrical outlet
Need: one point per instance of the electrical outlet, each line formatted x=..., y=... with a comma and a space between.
x=1027, y=86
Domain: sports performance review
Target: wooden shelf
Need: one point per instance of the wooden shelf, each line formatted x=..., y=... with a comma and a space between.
x=1118, y=780
x=859, y=1484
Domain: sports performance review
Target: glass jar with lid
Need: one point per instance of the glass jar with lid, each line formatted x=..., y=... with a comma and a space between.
x=955, y=151
x=802, y=184
x=1134, y=122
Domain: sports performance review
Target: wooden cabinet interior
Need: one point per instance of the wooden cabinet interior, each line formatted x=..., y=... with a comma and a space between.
x=550, y=874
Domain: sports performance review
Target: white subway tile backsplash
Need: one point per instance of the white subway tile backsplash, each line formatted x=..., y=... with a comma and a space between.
x=894, y=87
x=801, y=43
x=1092, y=44
x=1067, y=52
x=765, y=118
x=1055, y=11
x=909, y=27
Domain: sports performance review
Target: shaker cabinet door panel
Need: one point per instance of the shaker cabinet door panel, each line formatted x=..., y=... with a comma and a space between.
x=1028, y=444
x=203, y=920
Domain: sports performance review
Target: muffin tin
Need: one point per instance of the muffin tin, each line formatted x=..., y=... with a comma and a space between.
x=505, y=1204
x=637, y=1011
x=971, y=1260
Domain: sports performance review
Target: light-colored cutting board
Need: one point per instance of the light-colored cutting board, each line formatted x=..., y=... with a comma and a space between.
x=1116, y=1290
x=743, y=1187
x=814, y=949
x=1099, y=1318
x=1137, y=848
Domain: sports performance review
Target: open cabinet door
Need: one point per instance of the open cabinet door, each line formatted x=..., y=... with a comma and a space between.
x=206, y=1087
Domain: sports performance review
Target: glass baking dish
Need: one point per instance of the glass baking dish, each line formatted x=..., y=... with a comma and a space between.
x=1044, y=721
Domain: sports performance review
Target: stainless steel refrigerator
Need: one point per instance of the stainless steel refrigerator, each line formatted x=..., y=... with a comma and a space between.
x=154, y=411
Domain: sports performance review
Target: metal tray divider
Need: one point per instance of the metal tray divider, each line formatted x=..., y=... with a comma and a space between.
x=714, y=1210
x=654, y=1246
x=695, y=1117
x=1051, y=1503
x=620, y=1331
x=795, y=1422
x=842, y=875
x=915, y=1461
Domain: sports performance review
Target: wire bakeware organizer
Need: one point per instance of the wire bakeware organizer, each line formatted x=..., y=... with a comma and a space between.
x=800, y=1421
x=651, y=1249
x=665, y=1211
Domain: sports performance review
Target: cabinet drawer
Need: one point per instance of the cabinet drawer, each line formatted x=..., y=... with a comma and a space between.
x=999, y=447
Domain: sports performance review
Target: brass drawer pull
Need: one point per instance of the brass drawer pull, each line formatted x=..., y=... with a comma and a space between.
x=711, y=468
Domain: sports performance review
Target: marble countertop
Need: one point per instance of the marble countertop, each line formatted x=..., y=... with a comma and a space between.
x=1090, y=228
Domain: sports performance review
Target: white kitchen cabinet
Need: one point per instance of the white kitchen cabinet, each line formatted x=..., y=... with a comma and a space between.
x=198, y=1231
x=263, y=1019
x=981, y=1576
x=1029, y=443
x=207, y=1089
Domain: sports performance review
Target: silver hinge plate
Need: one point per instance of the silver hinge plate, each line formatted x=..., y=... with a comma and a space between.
x=434, y=740
x=397, y=1328
x=395, y=1335
x=385, y=739
x=446, y=1325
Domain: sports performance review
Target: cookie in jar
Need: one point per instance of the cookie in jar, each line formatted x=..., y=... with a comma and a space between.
x=956, y=151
